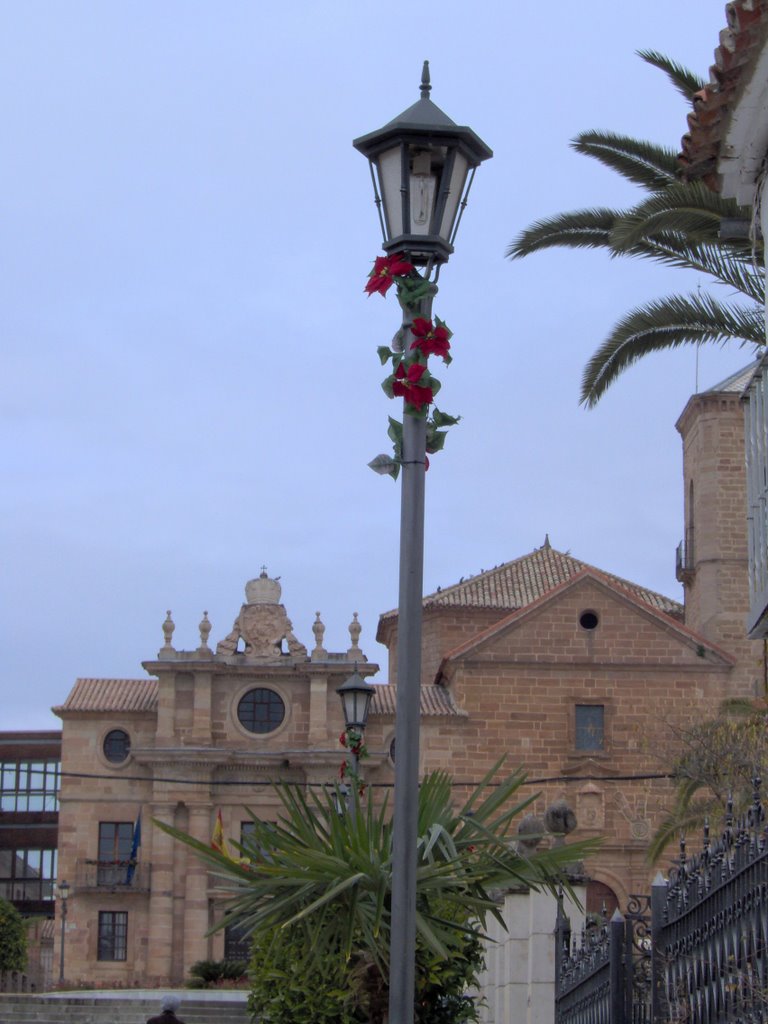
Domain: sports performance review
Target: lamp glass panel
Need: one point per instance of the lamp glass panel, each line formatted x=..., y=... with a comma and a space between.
x=422, y=190
x=455, y=192
x=389, y=168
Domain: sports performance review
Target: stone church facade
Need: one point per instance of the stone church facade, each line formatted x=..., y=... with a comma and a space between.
x=572, y=672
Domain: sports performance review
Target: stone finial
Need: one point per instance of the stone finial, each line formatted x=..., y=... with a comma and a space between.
x=355, y=629
x=205, y=632
x=318, y=628
x=559, y=820
x=530, y=832
x=168, y=627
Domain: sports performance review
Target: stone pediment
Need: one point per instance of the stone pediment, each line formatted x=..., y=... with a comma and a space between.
x=514, y=636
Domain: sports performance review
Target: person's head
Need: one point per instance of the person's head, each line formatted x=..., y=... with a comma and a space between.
x=171, y=1003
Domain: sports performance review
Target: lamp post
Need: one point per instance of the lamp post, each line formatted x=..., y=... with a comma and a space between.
x=63, y=894
x=422, y=166
x=355, y=695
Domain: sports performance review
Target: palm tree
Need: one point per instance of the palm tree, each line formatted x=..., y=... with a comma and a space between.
x=715, y=773
x=318, y=883
x=679, y=224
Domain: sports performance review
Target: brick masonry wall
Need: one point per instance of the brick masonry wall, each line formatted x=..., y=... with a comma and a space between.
x=717, y=596
x=518, y=691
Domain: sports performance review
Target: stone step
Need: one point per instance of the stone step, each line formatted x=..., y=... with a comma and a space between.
x=34, y=1009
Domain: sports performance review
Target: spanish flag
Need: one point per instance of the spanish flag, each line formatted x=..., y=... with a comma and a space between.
x=217, y=839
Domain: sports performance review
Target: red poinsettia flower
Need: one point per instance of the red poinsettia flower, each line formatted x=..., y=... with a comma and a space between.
x=343, y=739
x=385, y=270
x=405, y=385
x=430, y=340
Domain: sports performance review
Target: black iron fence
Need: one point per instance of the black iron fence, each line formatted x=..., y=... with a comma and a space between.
x=694, y=952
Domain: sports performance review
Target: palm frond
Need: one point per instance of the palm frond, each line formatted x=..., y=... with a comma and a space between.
x=580, y=229
x=724, y=266
x=687, y=82
x=691, y=210
x=647, y=164
x=664, y=324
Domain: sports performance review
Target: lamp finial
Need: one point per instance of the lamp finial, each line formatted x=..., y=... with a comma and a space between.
x=426, y=88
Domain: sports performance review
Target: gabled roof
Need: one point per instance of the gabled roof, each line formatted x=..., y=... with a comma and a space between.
x=740, y=44
x=616, y=587
x=518, y=583
x=111, y=695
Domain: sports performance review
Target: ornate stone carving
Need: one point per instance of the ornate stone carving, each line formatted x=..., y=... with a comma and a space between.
x=263, y=590
x=590, y=801
x=263, y=625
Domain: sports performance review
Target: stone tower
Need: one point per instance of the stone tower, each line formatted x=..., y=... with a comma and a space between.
x=712, y=558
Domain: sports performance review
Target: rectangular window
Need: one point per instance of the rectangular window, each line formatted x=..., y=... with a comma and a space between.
x=113, y=935
x=29, y=786
x=590, y=727
x=115, y=841
x=237, y=943
x=27, y=875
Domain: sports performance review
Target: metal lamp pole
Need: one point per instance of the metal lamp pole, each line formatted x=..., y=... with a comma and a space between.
x=422, y=166
x=402, y=957
x=63, y=888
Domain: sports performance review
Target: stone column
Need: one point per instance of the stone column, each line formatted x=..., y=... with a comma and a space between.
x=196, y=924
x=160, y=917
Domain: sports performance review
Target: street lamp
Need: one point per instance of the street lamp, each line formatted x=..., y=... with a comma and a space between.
x=63, y=893
x=422, y=166
x=356, y=696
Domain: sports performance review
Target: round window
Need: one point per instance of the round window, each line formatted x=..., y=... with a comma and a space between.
x=261, y=710
x=589, y=620
x=117, y=746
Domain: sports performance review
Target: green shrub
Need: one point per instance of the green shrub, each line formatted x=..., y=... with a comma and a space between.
x=13, y=938
x=210, y=973
x=290, y=985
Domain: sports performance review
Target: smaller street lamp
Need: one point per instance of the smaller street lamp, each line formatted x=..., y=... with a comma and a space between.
x=356, y=696
x=63, y=894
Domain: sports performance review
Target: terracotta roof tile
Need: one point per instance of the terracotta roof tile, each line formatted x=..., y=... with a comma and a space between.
x=518, y=583
x=712, y=106
x=111, y=695
x=435, y=700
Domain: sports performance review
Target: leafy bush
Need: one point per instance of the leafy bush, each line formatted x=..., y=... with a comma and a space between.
x=209, y=973
x=13, y=938
x=291, y=986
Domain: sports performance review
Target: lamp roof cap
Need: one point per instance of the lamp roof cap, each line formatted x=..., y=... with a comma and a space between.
x=424, y=118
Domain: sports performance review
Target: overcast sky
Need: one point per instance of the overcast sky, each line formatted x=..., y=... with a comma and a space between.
x=190, y=384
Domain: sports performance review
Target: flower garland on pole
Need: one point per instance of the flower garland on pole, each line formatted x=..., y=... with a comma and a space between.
x=353, y=741
x=413, y=344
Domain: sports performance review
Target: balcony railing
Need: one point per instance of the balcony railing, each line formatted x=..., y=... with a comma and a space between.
x=684, y=563
x=113, y=875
